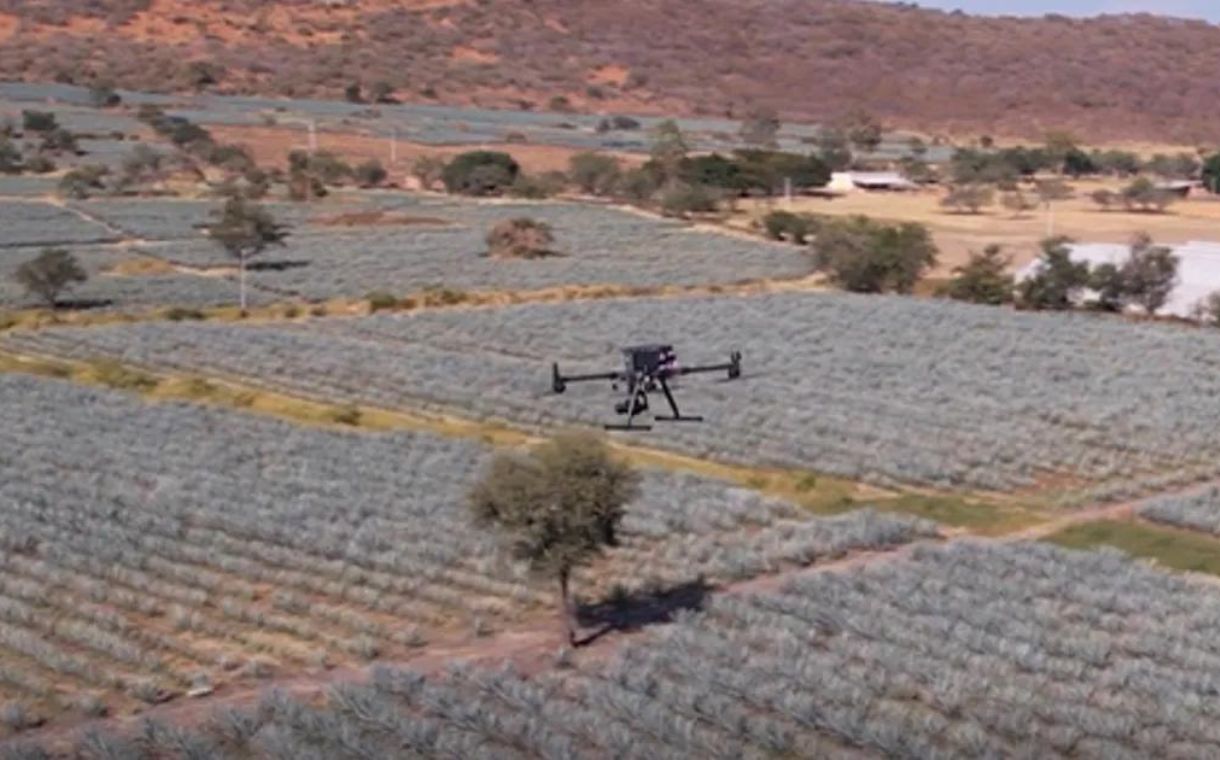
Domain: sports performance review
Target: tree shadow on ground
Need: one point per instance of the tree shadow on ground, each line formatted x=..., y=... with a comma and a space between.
x=276, y=266
x=640, y=609
x=83, y=304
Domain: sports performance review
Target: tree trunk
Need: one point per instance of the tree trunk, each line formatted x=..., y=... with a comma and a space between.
x=241, y=266
x=565, y=607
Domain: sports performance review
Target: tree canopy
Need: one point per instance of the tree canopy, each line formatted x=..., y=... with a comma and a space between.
x=867, y=256
x=556, y=507
x=49, y=274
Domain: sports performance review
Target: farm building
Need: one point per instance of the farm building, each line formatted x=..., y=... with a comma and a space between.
x=1198, y=271
x=845, y=182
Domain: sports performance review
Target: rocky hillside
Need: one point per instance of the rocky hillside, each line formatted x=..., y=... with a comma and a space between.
x=1112, y=77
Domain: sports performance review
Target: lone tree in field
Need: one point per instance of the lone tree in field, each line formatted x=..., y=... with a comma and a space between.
x=245, y=230
x=520, y=238
x=557, y=507
x=968, y=198
x=49, y=274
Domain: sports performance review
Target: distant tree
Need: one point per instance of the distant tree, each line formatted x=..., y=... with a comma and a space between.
x=370, y=173
x=1058, y=281
x=538, y=186
x=834, y=149
x=58, y=141
x=1050, y=192
x=785, y=225
x=80, y=183
x=1211, y=173
x=1077, y=163
x=1106, y=282
x=760, y=127
x=669, y=145
x=353, y=93
x=103, y=95
x=559, y=104
x=1207, y=310
x=983, y=279
x=1179, y=166
x=480, y=172
x=1018, y=203
x=142, y=166
x=1120, y=163
x=1058, y=145
x=766, y=171
x=428, y=170
x=986, y=142
x=1143, y=195
x=200, y=74
x=640, y=184
x=49, y=274
x=556, y=507
x=682, y=199
x=968, y=198
x=917, y=170
x=1149, y=274
x=917, y=147
x=864, y=131
x=594, y=173
x=521, y=238
x=38, y=121
x=1105, y=199
x=244, y=230
x=10, y=157
x=866, y=256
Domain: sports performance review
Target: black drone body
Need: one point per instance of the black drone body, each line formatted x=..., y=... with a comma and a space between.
x=646, y=369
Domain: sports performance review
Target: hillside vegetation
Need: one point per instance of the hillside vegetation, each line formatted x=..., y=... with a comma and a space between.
x=1110, y=77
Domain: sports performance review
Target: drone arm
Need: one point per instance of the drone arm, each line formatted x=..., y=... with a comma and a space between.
x=559, y=382
x=733, y=367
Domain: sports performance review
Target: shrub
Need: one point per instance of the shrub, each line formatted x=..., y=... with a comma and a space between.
x=594, y=173
x=537, y=186
x=480, y=173
x=80, y=183
x=182, y=314
x=984, y=279
x=370, y=173
x=785, y=225
x=1105, y=199
x=38, y=121
x=520, y=238
x=348, y=414
x=681, y=199
x=1144, y=195
x=110, y=372
x=10, y=157
x=39, y=164
x=49, y=274
x=380, y=301
x=866, y=256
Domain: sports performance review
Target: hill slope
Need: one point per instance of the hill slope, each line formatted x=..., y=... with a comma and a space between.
x=1112, y=77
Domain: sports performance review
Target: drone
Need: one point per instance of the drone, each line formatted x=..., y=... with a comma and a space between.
x=646, y=369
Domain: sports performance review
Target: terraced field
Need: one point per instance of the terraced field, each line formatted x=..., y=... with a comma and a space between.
x=963, y=651
x=891, y=390
x=146, y=549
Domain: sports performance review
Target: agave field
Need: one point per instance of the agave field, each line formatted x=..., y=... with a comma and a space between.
x=961, y=651
x=441, y=243
x=35, y=223
x=147, y=549
x=1197, y=511
x=876, y=388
